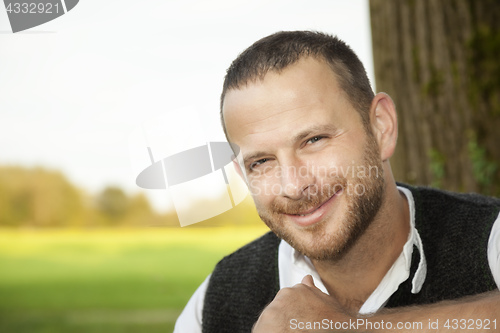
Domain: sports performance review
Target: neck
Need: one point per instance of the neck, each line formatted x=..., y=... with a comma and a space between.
x=357, y=274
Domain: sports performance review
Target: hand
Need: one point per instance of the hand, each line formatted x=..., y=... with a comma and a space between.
x=294, y=308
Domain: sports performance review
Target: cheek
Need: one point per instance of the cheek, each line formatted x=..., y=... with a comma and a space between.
x=342, y=160
x=264, y=189
x=332, y=165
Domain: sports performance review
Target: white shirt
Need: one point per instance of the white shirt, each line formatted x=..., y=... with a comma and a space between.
x=293, y=266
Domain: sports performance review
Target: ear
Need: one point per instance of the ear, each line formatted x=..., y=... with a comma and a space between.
x=384, y=124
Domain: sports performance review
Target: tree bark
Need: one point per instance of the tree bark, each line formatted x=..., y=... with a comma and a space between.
x=440, y=62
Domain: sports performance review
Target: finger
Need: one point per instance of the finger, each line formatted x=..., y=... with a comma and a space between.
x=308, y=281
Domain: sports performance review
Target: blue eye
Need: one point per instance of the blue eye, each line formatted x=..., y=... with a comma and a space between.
x=257, y=163
x=315, y=139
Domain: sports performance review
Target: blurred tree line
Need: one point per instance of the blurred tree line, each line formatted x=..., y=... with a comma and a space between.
x=440, y=62
x=37, y=198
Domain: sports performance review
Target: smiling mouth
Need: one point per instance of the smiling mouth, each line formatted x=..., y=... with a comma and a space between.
x=312, y=210
x=309, y=212
x=314, y=215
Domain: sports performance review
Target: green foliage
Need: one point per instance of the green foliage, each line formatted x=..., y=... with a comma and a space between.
x=484, y=68
x=437, y=163
x=43, y=198
x=433, y=87
x=113, y=204
x=38, y=198
x=483, y=169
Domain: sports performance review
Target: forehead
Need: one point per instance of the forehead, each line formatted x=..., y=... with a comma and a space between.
x=281, y=101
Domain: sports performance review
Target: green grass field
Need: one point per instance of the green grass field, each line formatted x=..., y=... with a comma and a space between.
x=106, y=280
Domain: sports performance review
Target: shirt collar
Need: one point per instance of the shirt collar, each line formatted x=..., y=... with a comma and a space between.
x=414, y=239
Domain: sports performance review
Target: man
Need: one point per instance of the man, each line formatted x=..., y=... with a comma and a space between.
x=315, y=145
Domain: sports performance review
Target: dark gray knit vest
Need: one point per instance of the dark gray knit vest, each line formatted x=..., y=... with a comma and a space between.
x=454, y=229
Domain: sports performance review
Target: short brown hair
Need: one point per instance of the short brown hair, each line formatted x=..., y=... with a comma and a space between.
x=282, y=49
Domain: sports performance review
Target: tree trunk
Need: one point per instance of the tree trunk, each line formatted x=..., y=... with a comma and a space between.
x=440, y=62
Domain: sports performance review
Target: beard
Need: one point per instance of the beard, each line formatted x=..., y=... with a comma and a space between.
x=318, y=241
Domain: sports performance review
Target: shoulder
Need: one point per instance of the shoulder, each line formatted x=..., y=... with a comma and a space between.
x=455, y=229
x=261, y=244
x=252, y=254
x=441, y=202
x=472, y=198
x=461, y=222
x=241, y=285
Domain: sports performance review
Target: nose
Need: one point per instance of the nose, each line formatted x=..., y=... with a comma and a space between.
x=297, y=179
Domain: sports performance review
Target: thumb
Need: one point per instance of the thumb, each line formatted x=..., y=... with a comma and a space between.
x=308, y=281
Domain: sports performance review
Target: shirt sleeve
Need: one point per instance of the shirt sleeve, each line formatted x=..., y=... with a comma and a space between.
x=190, y=319
x=494, y=251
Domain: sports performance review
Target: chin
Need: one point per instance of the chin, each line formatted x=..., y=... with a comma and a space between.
x=324, y=246
x=321, y=241
x=331, y=238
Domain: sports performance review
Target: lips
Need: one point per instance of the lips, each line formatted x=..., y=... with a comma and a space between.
x=313, y=215
x=310, y=211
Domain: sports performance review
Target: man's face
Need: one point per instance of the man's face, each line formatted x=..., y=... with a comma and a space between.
x=313, y=170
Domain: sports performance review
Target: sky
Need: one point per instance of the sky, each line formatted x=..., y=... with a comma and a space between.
x=88, y=92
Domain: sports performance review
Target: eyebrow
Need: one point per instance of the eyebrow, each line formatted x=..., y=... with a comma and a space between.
x=254, y=156
x=314, y=129
x=298, y=137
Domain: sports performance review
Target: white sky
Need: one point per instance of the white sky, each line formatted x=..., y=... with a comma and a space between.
x=74, y=91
